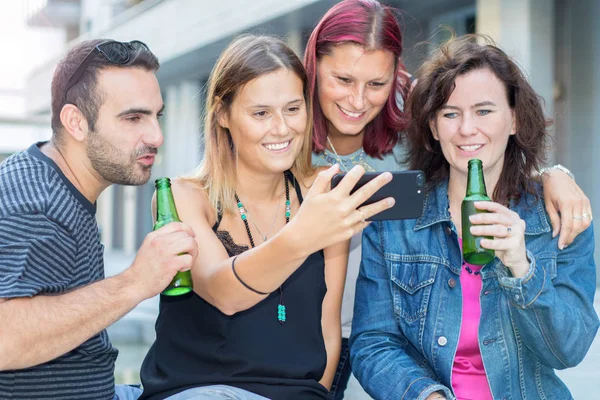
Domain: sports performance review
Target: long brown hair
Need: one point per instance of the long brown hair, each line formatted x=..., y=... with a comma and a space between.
x=525, y=151
x=246, y=58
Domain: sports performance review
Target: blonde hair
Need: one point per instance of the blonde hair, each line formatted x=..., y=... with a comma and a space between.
x=246, y=58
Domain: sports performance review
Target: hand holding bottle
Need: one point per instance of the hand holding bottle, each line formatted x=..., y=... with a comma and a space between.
x=166, y=213
x=164, y=252
x=508, y=232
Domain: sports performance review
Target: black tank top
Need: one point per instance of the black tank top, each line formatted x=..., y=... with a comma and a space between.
x=197, y=345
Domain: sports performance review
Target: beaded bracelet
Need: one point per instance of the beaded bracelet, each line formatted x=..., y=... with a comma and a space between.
x=241, y=281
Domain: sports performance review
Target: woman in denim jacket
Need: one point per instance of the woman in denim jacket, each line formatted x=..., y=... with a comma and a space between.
x=427, y=326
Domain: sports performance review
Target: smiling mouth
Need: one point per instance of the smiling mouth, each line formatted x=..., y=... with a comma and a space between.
x=473, y=147
x=350, y=114
x=277, y=146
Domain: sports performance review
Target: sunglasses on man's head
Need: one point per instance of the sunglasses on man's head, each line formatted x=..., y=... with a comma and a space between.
x=117, y=53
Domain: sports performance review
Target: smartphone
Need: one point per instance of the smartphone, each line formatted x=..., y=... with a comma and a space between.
x=406, y=187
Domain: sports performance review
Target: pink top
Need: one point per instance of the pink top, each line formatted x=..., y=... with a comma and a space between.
x=469, y=381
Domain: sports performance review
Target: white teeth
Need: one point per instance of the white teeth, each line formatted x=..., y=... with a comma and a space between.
x=277, y=146
x=471, y=148
x=350, y=114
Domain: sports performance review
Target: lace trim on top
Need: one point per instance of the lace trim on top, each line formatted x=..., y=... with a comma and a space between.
x=234, y=249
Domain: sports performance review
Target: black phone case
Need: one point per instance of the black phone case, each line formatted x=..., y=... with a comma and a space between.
x=406, y=187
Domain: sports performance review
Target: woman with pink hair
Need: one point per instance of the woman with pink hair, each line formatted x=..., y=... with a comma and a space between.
x=359, y=85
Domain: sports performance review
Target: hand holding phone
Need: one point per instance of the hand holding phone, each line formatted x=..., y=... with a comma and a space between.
x=335, y=211
x=406, y=187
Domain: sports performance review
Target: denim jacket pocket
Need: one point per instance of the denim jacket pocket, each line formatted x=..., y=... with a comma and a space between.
x=548, y=261
x=412, y=282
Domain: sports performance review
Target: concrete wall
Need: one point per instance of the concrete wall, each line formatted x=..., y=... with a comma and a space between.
x=558, y=45
x=578, y=90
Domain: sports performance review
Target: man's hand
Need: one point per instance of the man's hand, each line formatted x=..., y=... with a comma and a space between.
x=163, y=253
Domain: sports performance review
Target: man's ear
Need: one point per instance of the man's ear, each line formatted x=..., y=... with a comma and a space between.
x=221, y=114
x=73, y=121
x=433, y=129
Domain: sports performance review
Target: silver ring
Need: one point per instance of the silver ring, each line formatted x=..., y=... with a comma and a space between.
x=508, y=230
x=587, y=216
x=361, y=215
x=577, y=217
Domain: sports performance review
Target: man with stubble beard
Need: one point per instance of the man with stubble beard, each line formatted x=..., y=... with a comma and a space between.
x=54, y=301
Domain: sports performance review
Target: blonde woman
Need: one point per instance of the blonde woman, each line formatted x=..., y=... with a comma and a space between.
x=264, y=318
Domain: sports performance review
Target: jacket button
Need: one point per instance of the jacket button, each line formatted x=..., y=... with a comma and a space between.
x=451, y=282
x=442, y=341
x=448, y=230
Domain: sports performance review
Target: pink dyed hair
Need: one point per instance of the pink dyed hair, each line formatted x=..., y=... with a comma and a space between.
x=374, y=26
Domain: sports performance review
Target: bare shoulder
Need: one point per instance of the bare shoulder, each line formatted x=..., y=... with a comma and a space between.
x=186, y=188
x=191, y=199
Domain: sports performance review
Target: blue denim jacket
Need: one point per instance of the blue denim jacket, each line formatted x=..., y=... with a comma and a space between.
x=408, y=307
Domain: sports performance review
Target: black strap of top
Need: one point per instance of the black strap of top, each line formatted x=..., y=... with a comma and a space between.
x=219, y=218
x=289, y=176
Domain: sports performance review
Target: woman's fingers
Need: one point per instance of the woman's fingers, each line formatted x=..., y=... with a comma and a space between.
x=505, y=237
x=358, y=218
x=581, y=218
x=496, y=230
x=322, y=183
x=350, y=179
x=493, y=218
x=498, y=244
x=375, y=208
x=566, y=224
x=587, y=218
x=504, y=225
x=492, y=207
x=577, y=226
x=554, y=217
x=365, y=192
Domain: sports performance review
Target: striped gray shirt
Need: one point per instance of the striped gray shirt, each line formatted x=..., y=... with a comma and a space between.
x=49, y=244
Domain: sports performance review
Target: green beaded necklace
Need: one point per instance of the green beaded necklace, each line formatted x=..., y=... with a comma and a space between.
x=281, y=312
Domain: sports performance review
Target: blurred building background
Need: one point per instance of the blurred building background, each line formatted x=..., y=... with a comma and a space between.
x=18, y=128
x=556, y=41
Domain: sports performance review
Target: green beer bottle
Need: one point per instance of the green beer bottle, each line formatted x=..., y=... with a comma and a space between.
x=165, y=213
x=473, y=253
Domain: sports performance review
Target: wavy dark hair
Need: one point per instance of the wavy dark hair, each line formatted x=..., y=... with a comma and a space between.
x=526, y=149
x=373, y=26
